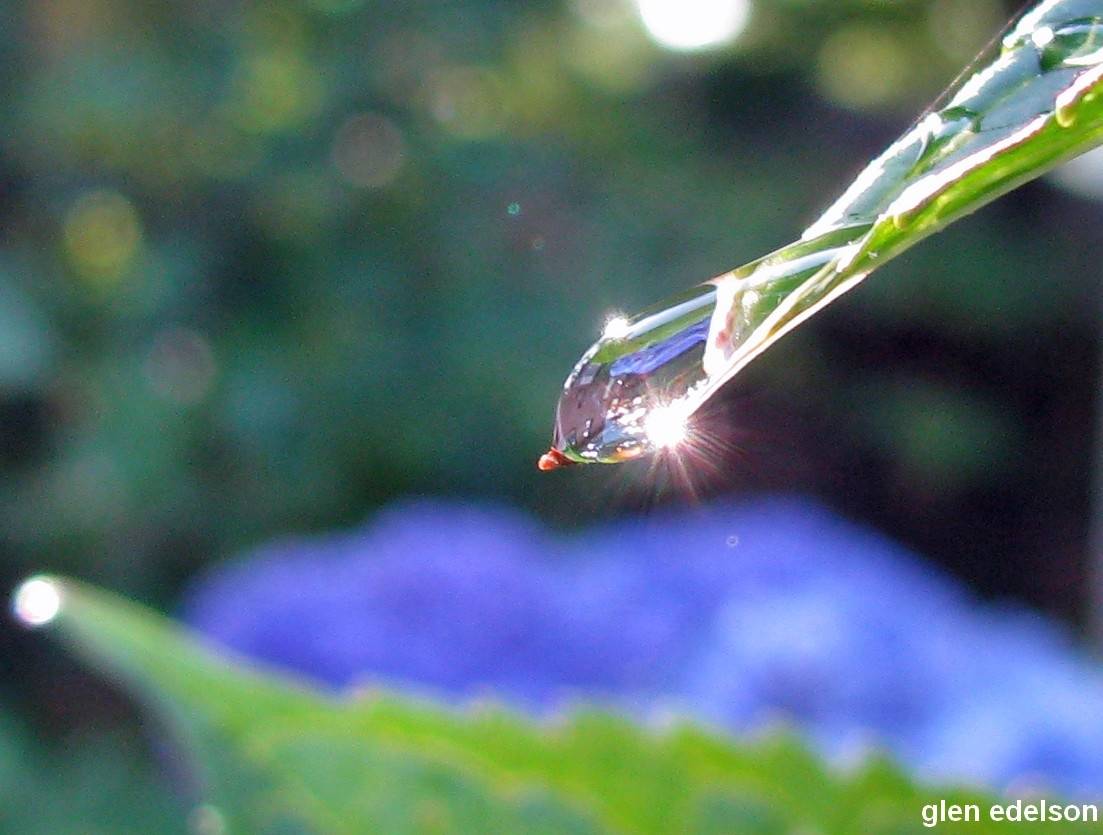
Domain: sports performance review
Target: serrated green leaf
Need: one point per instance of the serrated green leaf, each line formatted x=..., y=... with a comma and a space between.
x=275, y=756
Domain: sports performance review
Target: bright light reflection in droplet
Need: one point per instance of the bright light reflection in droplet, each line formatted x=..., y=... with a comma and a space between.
x=616, y=327
x=694, y=24
x=667, y=426
x=37, y=601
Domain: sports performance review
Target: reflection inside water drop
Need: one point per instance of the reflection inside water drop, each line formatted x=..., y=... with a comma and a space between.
x=637, y=365
x=636, y=389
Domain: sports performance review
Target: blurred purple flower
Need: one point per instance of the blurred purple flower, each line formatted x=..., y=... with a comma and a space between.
x=734, y=614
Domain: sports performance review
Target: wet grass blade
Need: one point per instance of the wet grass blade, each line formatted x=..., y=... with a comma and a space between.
x=1033, y=105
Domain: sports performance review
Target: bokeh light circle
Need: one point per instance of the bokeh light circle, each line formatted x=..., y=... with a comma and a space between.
x=688, y=25
x=369, y=150
x=37, y=601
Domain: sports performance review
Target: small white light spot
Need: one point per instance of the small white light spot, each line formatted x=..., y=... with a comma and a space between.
x=733, y=541
x=667, y=426
x=37, y=601
x=687, y=25
x=1042, y=36
x=616, y=327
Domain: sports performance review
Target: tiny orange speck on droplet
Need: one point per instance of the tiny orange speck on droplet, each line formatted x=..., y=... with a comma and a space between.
x=553, y=459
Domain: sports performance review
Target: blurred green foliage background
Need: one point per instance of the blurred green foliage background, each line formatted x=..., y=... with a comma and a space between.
x=265, y=266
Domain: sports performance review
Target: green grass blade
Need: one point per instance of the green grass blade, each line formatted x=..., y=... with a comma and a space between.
x=1033, y=105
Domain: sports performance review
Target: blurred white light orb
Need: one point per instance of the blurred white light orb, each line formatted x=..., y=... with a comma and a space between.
x=667, y=426
x=616, y=327
x=37, y=601
x=688, y=25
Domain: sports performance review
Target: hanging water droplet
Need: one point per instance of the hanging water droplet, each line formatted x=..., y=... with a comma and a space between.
x=637, y=363
x=636, y=389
